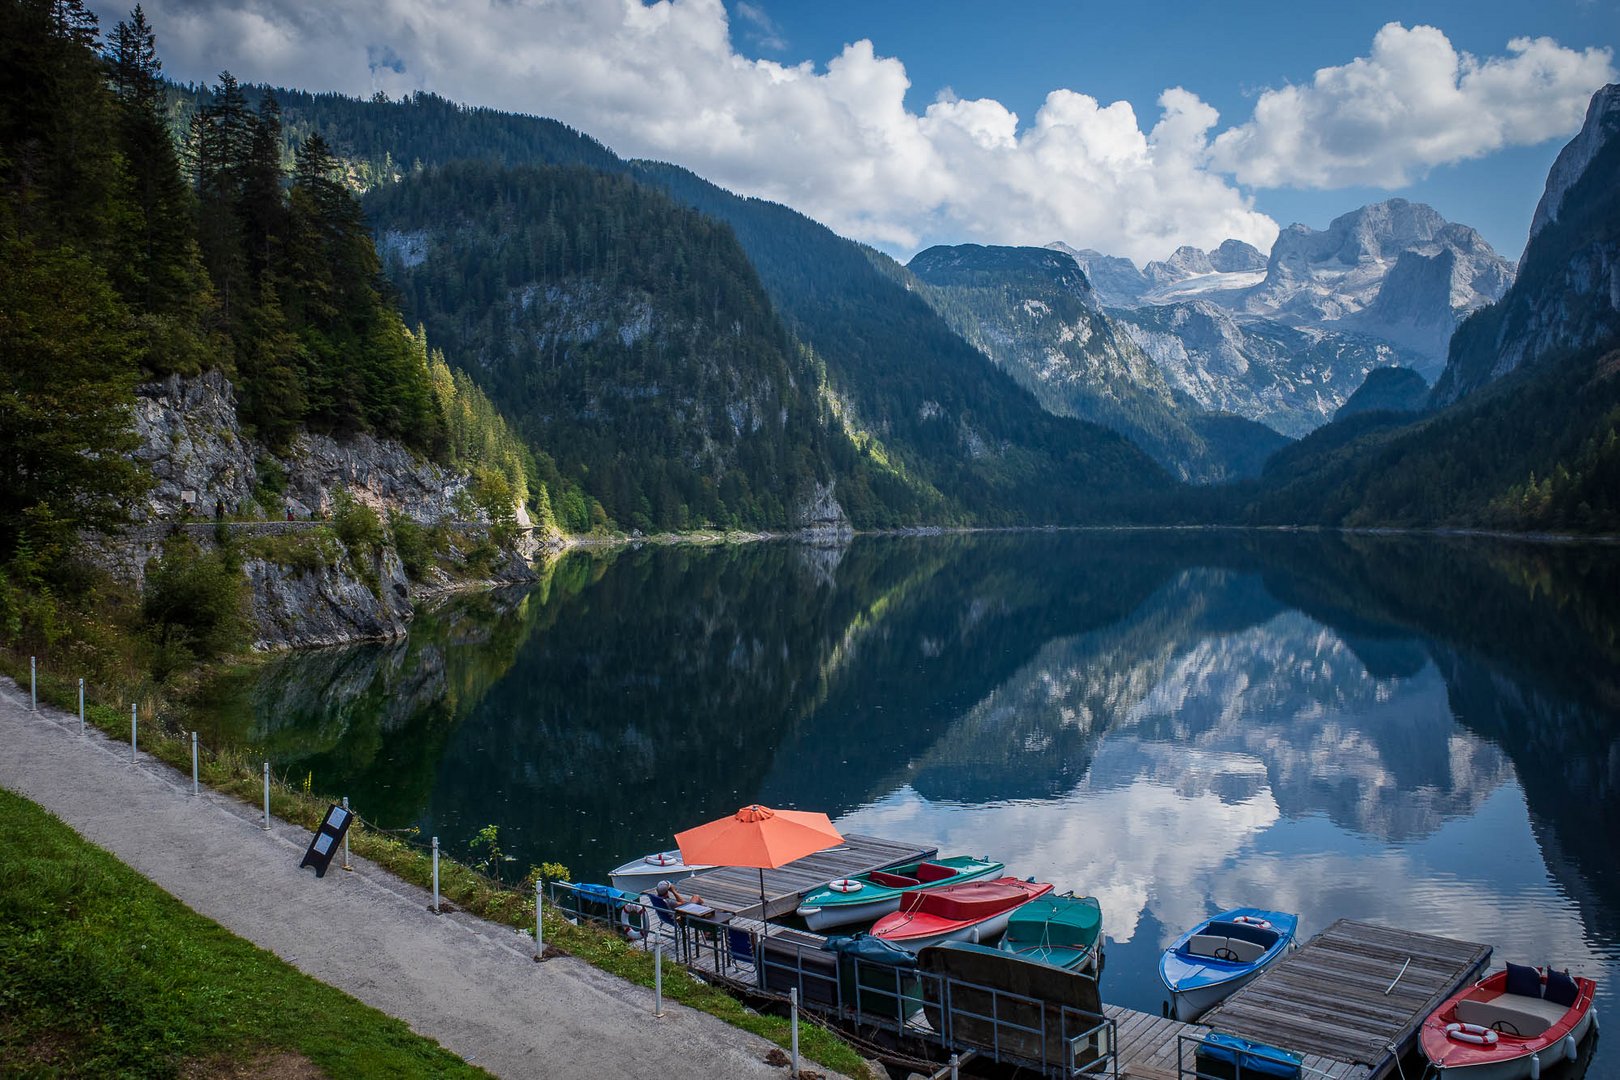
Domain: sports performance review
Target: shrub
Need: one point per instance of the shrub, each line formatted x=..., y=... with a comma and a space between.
x=357, y=525
x=192, y=606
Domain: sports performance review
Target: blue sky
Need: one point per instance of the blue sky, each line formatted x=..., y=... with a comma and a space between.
x=1226, y=53
x=1130, y=128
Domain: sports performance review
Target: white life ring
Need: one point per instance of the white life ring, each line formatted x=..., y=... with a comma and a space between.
x=1253, y=920
x=662, y=858
x=1472, y=1033
x=844, y=885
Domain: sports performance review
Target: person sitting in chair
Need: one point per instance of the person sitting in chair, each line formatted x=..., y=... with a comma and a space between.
x=667, y=891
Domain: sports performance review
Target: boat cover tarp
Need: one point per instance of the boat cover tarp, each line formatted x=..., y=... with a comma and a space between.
x=1221, y=1056
x=1062, y=922
x=877, y=976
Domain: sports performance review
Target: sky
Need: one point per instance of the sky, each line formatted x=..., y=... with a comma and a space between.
x=1129, y=128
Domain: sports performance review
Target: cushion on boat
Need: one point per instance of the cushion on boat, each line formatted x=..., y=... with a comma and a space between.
x=1513, y=1014
x=1561, y=989
x=1206, y=944
x=1523, y=981
x=1247, y=951
x=892, y=881
x=933, y=872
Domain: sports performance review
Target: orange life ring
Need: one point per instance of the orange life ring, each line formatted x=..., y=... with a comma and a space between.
x=844, y=885
x=662, y=858
x=1471, y=1033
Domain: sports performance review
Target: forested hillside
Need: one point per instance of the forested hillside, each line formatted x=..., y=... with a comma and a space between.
x=631, y=341
x=124, y=260
x=946, y=437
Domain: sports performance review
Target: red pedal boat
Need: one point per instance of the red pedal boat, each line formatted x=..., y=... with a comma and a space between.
x=974, y=911
x=1510, y=1025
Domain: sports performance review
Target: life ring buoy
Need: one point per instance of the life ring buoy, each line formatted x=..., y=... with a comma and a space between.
x=1253, y=920
x=844, y=885
x=1472, y=1033
x=662, y=858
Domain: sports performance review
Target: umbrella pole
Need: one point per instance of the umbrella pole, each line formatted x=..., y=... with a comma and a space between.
x=764, y=915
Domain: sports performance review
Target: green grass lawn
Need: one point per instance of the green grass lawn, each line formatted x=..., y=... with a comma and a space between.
x=104, y=974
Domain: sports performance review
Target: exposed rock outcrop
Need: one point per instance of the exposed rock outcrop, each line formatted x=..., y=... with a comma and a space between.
x=202, y=461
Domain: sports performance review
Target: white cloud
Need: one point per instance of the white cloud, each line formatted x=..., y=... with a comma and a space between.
x=837, y=142
x=1414, y=103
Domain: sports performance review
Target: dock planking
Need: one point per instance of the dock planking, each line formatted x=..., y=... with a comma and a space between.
x=736, y=888
x=1329, y=998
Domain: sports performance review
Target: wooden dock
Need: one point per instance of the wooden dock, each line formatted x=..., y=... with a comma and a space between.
x=736, y=889
x=1333, y=998
x=1150, y=1048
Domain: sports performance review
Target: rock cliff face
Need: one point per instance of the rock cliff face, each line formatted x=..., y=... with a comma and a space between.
x=1567, y=296
x=197, y=452
x=201, y=460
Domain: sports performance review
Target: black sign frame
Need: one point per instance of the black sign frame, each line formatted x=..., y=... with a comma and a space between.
x=327, y=839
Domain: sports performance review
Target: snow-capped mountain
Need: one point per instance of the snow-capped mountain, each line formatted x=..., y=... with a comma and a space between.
x=1286, y=338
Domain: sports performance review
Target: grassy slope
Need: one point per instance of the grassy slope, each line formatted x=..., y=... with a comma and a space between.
x=109, y=975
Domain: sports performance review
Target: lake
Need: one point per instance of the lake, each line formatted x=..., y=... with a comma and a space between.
x=1420, y=731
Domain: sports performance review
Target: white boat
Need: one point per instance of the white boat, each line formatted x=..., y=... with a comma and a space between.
x=643, y=874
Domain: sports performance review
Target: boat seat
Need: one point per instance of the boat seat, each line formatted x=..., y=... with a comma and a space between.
x=893, y=881
x=1526, y=1016
x=1207, y=945
x=933, y=872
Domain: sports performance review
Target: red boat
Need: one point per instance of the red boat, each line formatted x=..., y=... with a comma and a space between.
x=973, y=911
x=1511, y=1024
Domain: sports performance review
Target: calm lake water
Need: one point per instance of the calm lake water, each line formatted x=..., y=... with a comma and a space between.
x=1423, y=732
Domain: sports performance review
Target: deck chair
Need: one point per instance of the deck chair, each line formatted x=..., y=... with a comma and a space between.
x=666, y=915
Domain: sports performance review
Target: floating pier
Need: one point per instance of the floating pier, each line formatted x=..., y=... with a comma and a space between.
x=1356, y=993
x=736, y=889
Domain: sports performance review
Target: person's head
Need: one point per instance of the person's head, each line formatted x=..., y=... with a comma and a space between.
x=663, y=888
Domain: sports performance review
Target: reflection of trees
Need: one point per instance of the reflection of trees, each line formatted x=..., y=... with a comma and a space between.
x=638, y=692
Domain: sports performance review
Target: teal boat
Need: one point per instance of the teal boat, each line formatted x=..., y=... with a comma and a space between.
x=1064, y=931
x=869, y=897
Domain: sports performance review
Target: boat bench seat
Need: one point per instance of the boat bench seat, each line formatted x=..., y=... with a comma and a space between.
x=892, y=881
x=1526, y=1016
x=933, y=872
x=1208, y=944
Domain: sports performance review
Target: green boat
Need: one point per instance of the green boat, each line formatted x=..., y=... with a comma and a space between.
x=868, y=897
x=1064, y=931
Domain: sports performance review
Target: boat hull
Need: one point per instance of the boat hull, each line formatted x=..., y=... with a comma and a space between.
x=825, y=918
x=1513, y=1055
x=975, y=933
x=1519, y=1067
x=639, y=876
x=1197, y=976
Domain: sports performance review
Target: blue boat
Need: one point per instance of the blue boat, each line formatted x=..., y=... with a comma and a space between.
x=1220, y=955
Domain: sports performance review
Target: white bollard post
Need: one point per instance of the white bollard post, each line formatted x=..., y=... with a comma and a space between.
x=195, y=787
x=134, y=709
x=266, y=825
x=346, y=865
x=658, y=979
x=81, y=706
x=539, y=926
x=793, y=1010
x=33, y=686
x=435, y=875
x=956, y=1062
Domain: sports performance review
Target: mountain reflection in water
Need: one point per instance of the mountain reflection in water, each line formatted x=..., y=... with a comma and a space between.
x=1415, y=731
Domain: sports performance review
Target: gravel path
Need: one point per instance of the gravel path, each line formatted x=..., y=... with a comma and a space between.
x=470, y=984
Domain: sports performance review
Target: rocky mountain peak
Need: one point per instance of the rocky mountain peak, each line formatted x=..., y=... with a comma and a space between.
x=1117, y=281
x=1602, y=123
x=1234, y=256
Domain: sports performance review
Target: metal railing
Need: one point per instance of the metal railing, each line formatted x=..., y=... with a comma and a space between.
x=929, y=1008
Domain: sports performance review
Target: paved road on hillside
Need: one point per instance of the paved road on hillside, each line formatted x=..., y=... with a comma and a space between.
x=470, y=984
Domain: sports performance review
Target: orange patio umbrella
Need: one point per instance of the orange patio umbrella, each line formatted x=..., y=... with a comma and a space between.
x=760, y=837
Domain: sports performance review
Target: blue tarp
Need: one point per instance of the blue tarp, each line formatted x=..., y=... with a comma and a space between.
x=1245, y=1058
